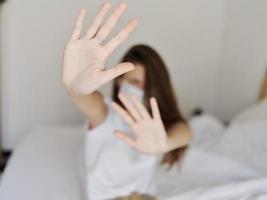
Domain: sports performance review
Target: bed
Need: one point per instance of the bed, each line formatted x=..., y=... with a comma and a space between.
x=44, y=166
x=221, y=163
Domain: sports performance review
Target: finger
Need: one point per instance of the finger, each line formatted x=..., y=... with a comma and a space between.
x=155, y=108
x=104, y=31
x=78, y=25
x=125, y=116
x=98, y=20
x=122, y=136
x=140, y=107
x=129, y=106
x=121, y=36
x=114, y=72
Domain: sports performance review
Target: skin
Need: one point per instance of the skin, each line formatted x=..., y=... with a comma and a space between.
x=135, y=77
x=84, y=71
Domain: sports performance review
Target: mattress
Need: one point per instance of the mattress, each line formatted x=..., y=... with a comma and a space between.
x=44, y=166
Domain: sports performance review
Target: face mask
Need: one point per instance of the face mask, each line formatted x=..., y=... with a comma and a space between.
x=129, y=89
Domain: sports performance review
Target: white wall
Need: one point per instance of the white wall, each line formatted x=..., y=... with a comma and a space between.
x=186, y=32
x=244, y=56
x=0, y=81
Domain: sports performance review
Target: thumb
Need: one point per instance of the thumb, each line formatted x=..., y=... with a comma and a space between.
x=122, y=136
x=120, y=69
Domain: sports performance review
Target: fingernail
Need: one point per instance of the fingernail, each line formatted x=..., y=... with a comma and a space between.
x=120, y=94
x=123, y=5
x=107, y=4
x=135, y=22
x=132, y=25
x=131, y=65
x=82, y=10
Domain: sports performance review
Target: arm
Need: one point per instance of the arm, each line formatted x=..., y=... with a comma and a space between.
x=83, y=68
x=92, y=107
x=179, y=136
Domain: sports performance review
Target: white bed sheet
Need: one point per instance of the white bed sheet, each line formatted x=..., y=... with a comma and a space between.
x=45, y=166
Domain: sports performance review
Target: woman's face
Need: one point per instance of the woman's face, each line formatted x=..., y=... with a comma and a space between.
x=135, y=77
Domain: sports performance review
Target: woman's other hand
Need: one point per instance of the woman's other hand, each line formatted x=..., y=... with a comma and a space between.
x=150, y=134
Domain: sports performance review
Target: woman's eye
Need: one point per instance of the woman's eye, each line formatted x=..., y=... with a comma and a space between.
x=136, y=82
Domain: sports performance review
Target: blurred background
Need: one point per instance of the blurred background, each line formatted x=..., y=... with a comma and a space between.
x=215, y=51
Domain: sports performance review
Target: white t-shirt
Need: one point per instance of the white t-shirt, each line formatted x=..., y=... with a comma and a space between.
x=112, y=168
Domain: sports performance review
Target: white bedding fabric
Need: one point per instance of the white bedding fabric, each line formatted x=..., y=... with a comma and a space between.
x=234, y=168
x=230, y=165
x=44, y=166
x=257, y=112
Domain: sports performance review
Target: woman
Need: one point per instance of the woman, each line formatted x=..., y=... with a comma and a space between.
x=145, y=129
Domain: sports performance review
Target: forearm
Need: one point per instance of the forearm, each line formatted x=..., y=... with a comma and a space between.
x=91, y=105
x=179, y=136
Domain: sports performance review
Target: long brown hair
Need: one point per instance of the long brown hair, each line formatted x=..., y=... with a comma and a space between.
x=158, y=85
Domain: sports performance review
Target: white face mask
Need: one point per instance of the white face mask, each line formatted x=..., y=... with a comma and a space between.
x=128, y=89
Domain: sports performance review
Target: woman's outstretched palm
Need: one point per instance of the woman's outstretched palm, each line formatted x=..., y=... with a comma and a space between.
x=83, y=69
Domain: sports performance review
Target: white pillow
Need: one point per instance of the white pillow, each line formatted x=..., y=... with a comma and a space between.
x=205, y=129
x=257, y=112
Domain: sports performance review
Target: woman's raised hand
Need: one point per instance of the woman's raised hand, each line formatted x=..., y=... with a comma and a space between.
x=150, y=135
x=84, y=69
